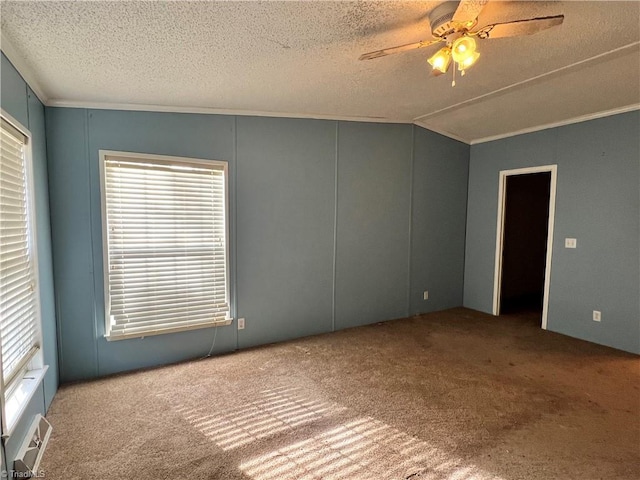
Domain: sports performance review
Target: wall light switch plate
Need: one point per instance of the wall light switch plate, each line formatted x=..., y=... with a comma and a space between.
x=425, y=295
x=570, y=243
x=241, y=324
x=597, y=316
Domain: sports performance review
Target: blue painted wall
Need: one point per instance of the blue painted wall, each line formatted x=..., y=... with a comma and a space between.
x=19, y=101
x=373, y=223
x=13, y=92
x=284, y=238
x=321, y=223
x=439, y=212
x=597, y=202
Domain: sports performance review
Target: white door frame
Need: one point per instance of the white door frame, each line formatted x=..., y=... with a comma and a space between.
x=502, y=191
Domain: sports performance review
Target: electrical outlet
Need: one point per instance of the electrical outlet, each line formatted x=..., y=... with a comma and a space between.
x=425, y=295
x=570, y=243
x=241, y=324
x=596, y=316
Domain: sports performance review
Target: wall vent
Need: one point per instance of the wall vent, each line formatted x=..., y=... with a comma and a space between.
x=30, y=454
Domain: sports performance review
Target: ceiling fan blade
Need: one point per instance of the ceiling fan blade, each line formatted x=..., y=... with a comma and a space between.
x=401, y=48
x=468, y=10
x=519, y=27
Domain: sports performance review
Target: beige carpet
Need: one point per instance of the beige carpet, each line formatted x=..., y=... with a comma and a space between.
x=450, y=395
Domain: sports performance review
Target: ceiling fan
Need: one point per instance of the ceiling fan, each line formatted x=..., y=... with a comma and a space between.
x=454, y=24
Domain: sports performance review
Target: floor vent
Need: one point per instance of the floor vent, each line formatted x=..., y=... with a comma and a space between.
x=28, y=460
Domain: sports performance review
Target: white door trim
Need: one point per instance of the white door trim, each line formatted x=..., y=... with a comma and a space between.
x=553, y=169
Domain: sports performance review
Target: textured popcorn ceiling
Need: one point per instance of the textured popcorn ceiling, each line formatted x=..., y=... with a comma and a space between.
x=301, y=59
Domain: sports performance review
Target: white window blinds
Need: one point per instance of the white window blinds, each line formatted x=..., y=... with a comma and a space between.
x=19, y=323
x=166, y=244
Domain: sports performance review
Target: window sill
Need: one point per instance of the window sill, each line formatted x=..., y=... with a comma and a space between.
x=162, y=331
x=17, y=402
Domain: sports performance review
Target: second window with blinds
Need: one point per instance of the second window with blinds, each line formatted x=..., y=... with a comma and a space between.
x=21, y=359
x=165, y=243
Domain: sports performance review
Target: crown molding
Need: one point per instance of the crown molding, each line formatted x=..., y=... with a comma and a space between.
x=218, y=111
x=441, y=132
x=561, y=123
x=259, y=113
x=22, y=67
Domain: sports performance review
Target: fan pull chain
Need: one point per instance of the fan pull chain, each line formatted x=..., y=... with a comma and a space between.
x=453, y=82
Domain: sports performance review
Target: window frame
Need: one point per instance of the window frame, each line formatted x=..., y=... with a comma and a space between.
x=105, y=155
x=15, y=396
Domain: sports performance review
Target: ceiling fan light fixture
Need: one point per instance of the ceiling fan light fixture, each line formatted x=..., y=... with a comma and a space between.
x=441, y=60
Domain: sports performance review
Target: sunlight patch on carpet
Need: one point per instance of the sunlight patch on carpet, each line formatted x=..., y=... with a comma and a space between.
x=363, y=448
x=350, y=448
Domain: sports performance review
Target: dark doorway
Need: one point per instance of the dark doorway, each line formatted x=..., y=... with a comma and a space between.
x=524, y=253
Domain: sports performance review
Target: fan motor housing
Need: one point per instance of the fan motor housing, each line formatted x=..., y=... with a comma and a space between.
x=441, y=19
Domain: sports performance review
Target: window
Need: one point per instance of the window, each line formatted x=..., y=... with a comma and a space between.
x=19, y=296
x=165, y=240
